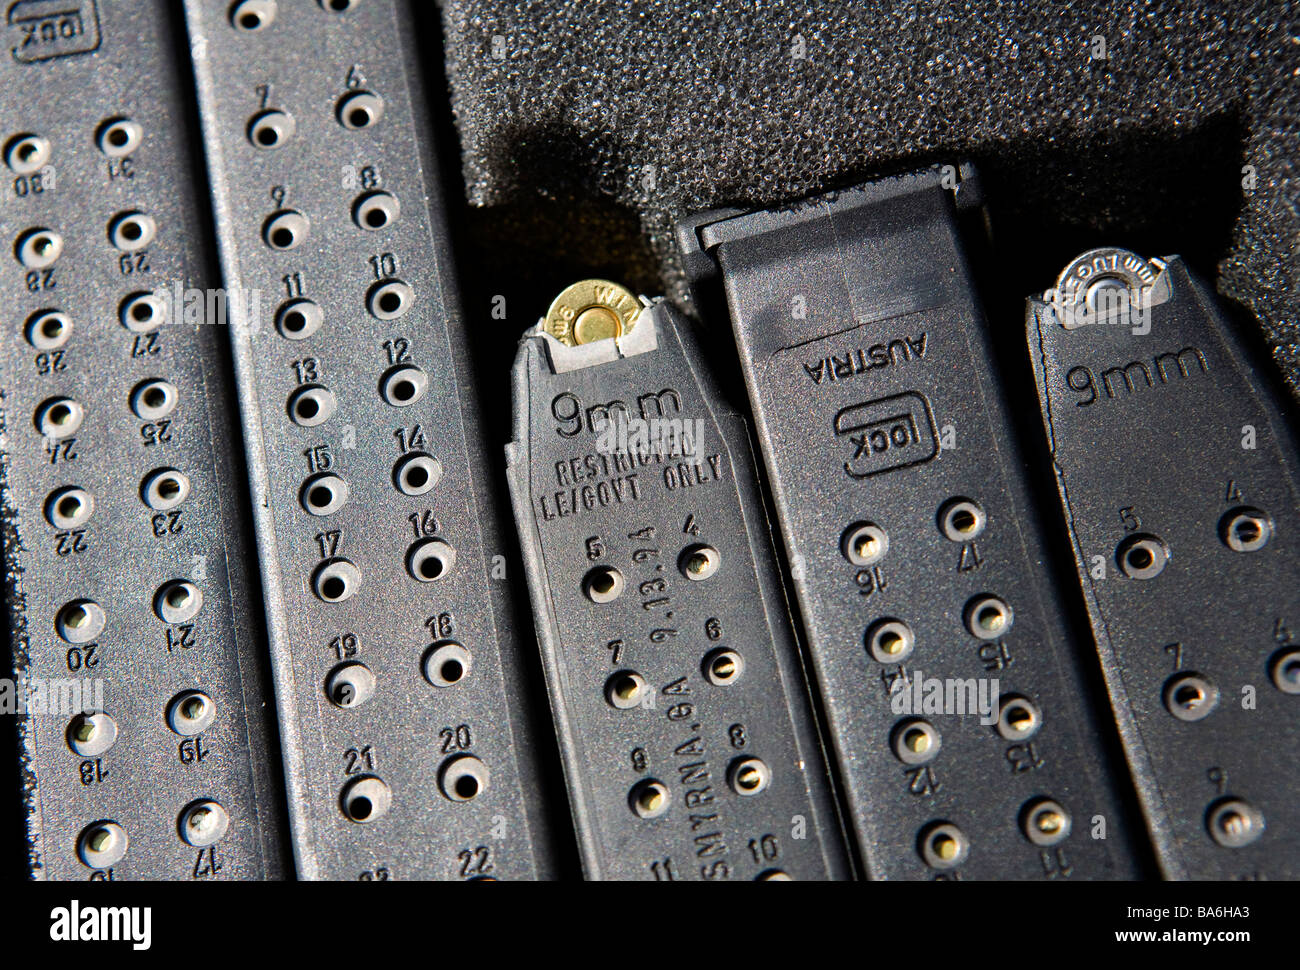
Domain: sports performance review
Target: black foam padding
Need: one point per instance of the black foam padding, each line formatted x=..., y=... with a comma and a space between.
x=587, y=128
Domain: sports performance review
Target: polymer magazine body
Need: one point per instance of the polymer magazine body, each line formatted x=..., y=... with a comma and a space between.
x=1177, y=468
x=148, y=744
x=398, y=667
x=679, y=699
x=957, y=696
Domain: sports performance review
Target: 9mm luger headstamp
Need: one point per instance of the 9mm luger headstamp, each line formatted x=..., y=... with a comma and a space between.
x=689, y=745
x=1178, y=470
x=956, y=697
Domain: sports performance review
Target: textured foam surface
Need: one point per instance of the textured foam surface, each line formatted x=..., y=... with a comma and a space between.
x=587, y=128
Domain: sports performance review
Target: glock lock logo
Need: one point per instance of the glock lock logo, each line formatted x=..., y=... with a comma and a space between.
x=887, y=433
x=42, y=30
